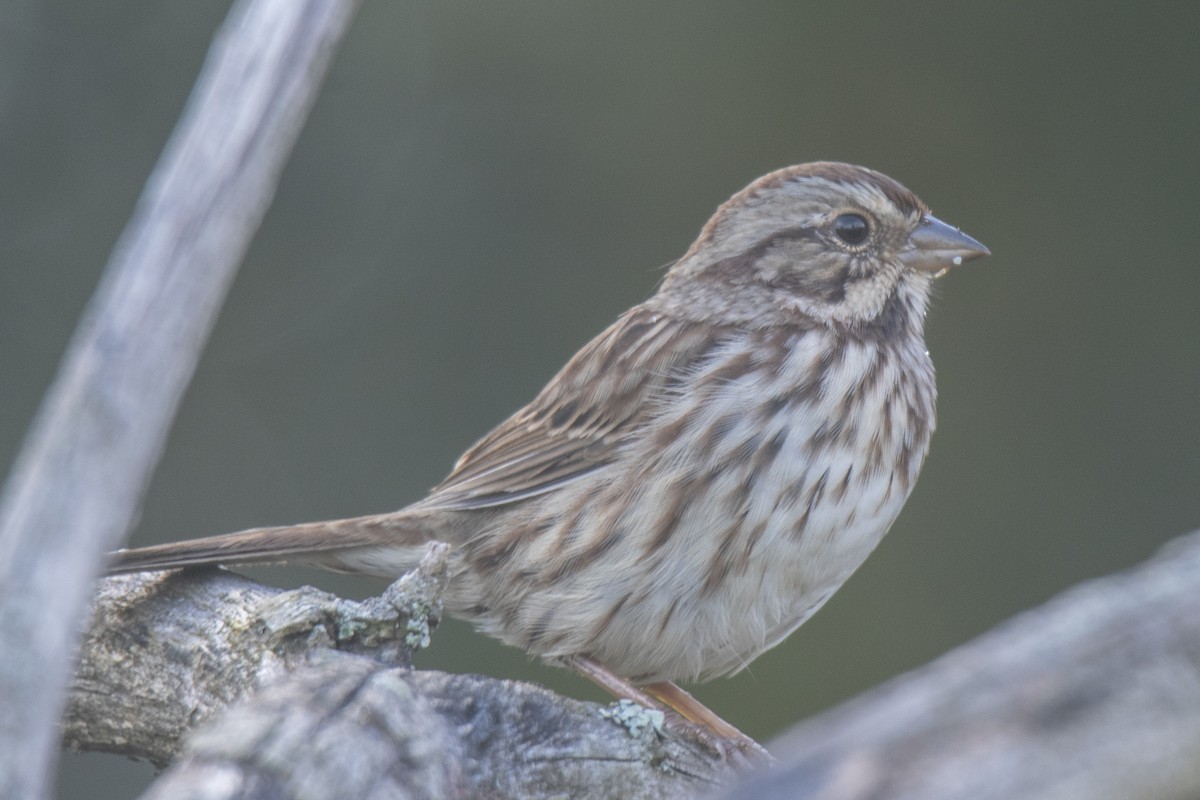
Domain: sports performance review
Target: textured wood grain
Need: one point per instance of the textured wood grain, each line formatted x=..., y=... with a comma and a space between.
x=1093, y=695
x=296, y=694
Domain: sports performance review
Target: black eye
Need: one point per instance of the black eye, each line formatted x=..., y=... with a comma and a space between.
x=851, y=228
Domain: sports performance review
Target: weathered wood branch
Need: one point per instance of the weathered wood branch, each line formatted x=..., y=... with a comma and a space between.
x=1095, y=695
x=322, y=695
x=78, y=481
x=166, y=651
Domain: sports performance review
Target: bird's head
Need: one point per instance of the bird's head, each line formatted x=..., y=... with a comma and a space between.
x=835, y=243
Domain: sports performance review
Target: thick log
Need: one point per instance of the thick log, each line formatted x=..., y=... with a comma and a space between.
x=320, y=693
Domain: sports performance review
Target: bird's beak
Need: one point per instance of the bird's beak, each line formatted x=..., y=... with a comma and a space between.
x=936, y=247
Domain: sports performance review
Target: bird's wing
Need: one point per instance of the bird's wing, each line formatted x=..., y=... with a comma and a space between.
x=579, y=421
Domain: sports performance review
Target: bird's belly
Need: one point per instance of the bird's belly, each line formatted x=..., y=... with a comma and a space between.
x=717, y=608
x=703, y=593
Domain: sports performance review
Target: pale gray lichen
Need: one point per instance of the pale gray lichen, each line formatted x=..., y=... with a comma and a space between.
x=634, y=718
x=418, y=627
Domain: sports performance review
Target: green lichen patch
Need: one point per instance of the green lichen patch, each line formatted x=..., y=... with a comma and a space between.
x=634, y=718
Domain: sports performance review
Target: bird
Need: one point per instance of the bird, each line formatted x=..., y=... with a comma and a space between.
x=703, y=475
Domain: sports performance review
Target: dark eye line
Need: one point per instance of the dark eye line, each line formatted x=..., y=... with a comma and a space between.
x=797, y=234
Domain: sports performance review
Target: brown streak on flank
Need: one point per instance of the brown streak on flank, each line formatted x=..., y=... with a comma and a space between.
x=887, y=495
x=726, y=556
x=605, y=544
x=669, y=432
x=682, y=493
x=874, y=459
x=870, y=381
x=666, y=620
x=790, y=496
x=886, y=428
x=818, y=489
x=848, y=435
x=721, y=563
x=916, y=421
x=807, y=390
x=669, y=521
x=843, y=486
x=678, y=381
x=772, y=347
x=711, y=438
x=770, y=408
x=493, y=557
x=572, y=520
x=831, y=357
x=746, y=451
x=800, y=525
x=761, y=460
x=767, y=454
x=846, y=407
x=811, y=387
x=575, y=563
x=609, y=616
x=752, y=540
x=570, y=531
x=554, y=641
x=828, y=431
x=539, y=629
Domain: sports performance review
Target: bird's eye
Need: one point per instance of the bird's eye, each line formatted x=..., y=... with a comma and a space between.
x=851, y=228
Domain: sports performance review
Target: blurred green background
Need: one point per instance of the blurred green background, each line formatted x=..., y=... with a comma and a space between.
x=484, y=186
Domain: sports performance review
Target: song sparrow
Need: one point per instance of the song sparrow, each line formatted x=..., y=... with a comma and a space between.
x=703, y=475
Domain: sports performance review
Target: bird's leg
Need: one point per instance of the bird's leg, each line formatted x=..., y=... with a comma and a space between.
x=693, y=710
x=611, y=682
x=684, y=712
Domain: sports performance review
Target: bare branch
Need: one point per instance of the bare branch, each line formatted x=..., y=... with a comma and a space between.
x=1094, y=695
x=77, y=483
x=168, y=651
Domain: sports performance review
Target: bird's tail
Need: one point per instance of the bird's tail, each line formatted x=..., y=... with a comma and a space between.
x=385, y=545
